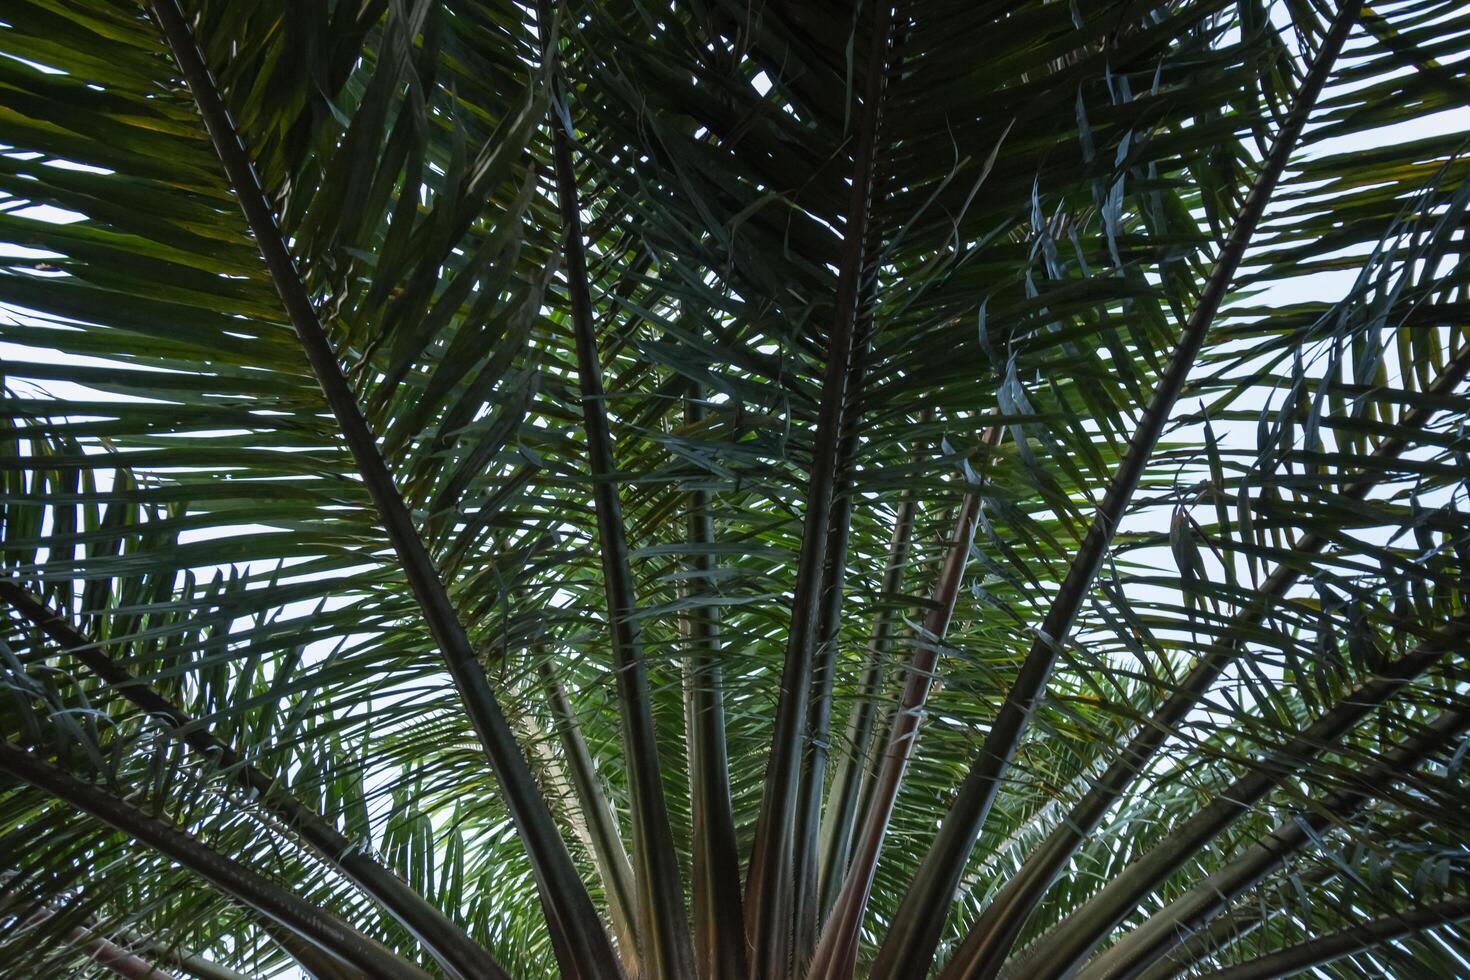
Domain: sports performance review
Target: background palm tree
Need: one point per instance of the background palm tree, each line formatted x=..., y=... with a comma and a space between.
x=728, y=489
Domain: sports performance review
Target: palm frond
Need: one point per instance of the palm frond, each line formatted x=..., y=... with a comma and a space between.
x=596, y=389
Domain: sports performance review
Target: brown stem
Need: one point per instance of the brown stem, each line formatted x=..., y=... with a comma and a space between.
x=667, y=950
x=853, y=769
x=837, y=950
x=719, y=915
x=807, y=833
x=101, y=950
x=599, y=822
x=105, y=952
x=769, y=904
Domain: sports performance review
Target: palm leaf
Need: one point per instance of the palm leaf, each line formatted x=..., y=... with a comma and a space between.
x=595, y=389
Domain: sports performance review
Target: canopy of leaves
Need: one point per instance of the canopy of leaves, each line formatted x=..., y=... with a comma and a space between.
x=1007, y=209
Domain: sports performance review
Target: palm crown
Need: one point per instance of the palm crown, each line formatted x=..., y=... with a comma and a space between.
x=725, y=489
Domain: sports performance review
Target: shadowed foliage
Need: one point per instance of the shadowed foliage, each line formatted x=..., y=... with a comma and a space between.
x=734, y=490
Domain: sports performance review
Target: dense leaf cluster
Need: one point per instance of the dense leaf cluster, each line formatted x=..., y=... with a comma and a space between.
x=773, y=490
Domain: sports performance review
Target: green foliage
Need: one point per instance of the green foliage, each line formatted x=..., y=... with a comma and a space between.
x=1050, y=186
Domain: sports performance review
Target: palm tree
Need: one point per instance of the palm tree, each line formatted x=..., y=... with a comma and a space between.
x=734, y=489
